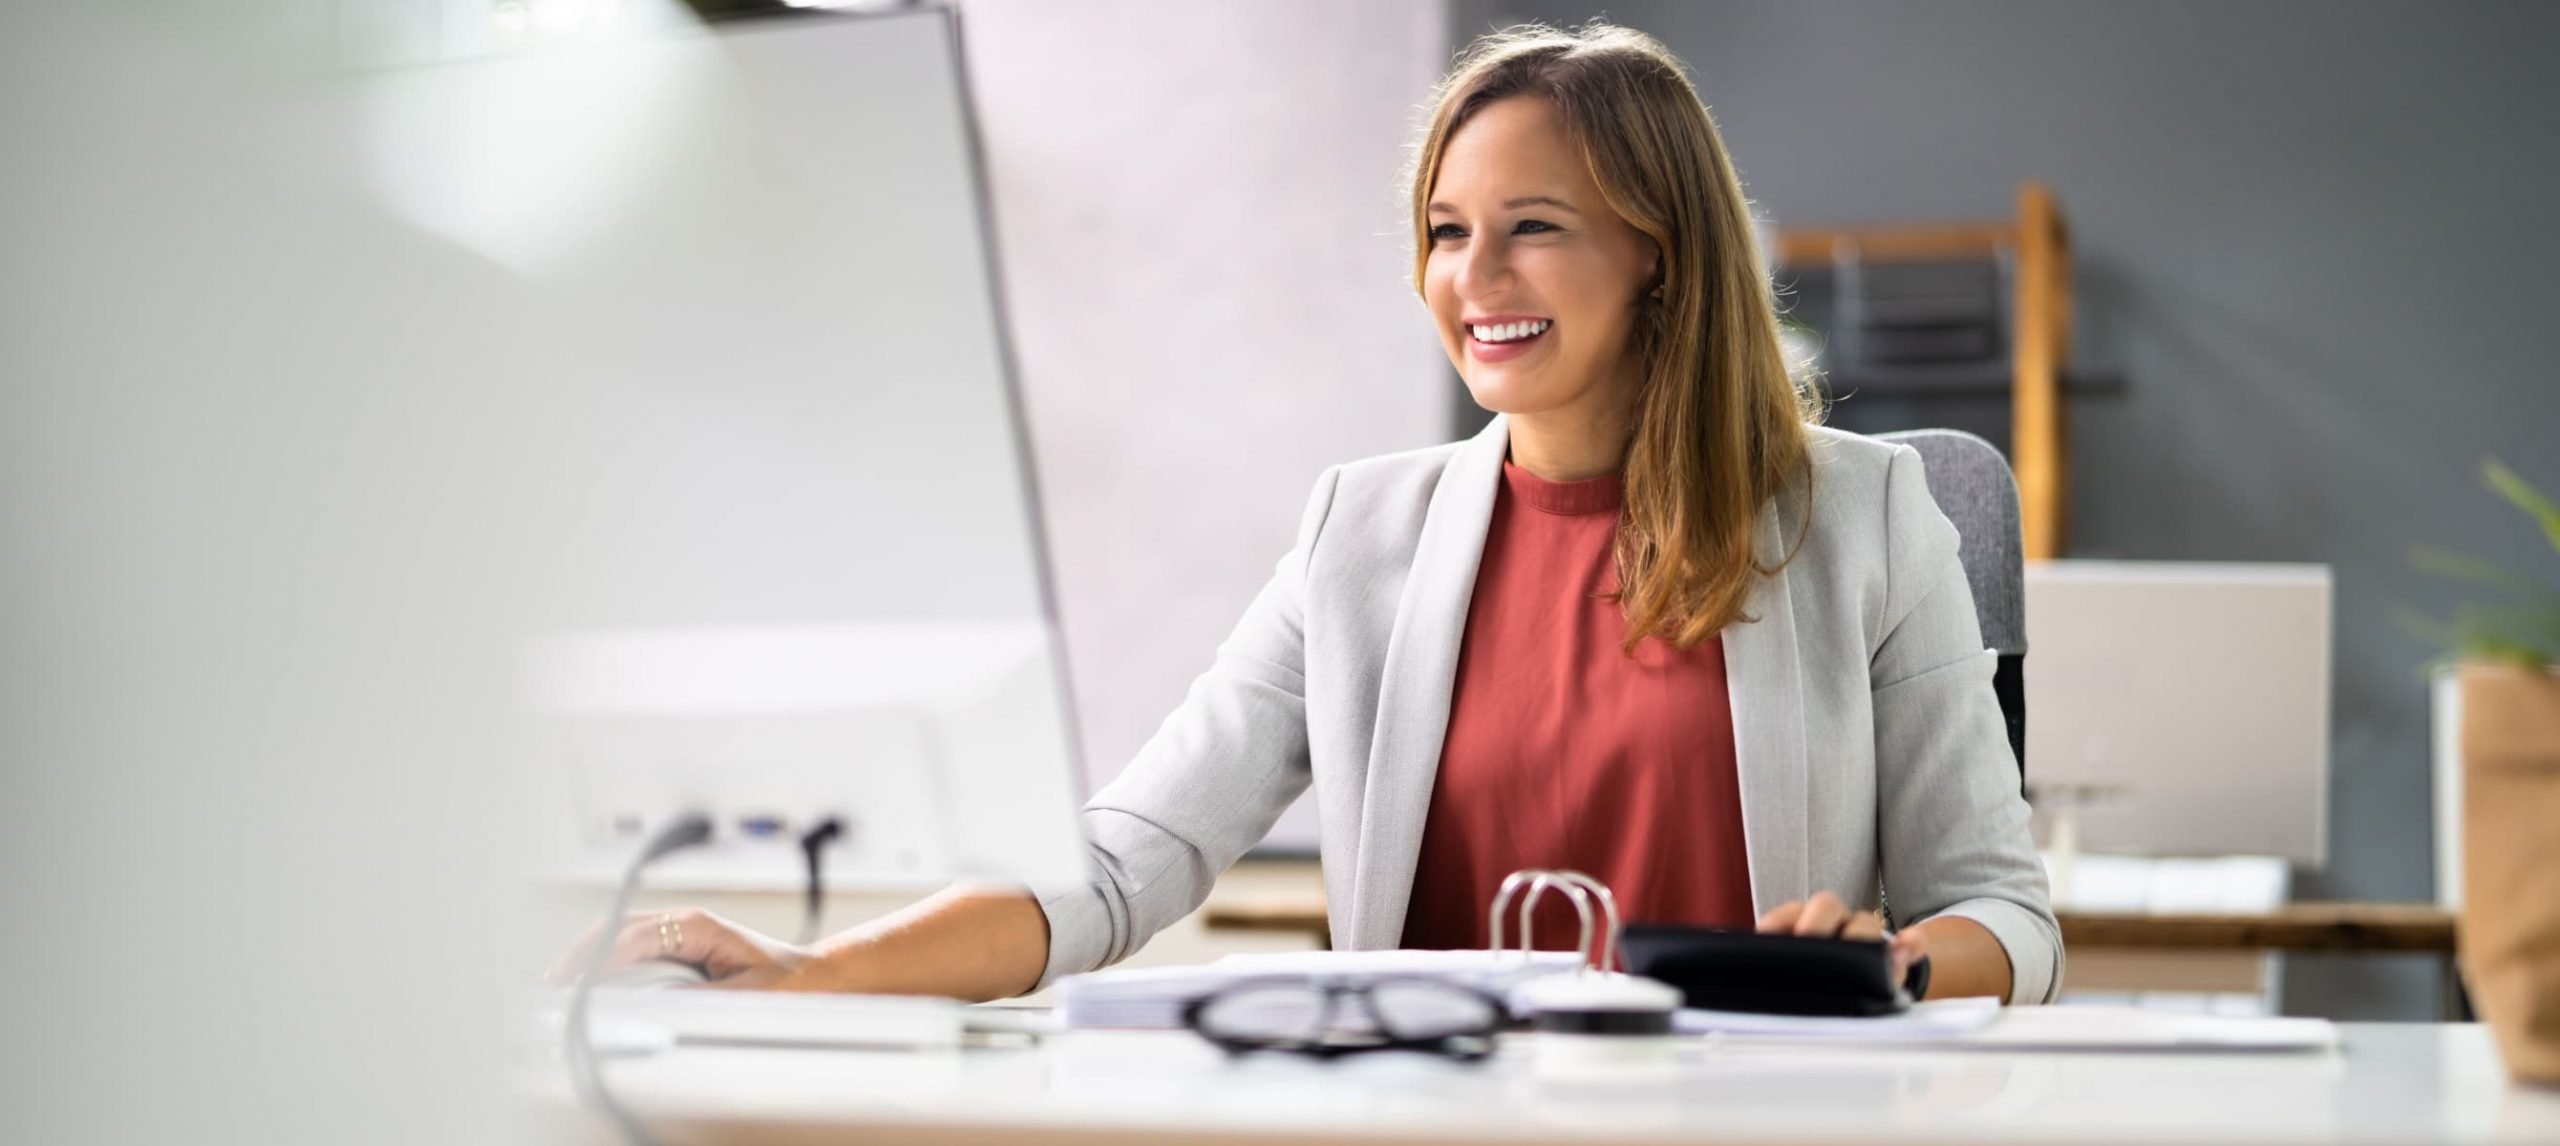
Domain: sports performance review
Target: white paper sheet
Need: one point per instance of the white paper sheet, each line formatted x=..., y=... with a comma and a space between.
x=1984, y=1024
x=1927, y=1022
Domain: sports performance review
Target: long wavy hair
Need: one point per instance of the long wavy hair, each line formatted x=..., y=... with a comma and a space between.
x=1721, y=424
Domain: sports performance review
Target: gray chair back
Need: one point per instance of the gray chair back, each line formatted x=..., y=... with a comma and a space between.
x=1972, y=485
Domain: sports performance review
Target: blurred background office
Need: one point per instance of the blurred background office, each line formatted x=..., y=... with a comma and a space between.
x=2308, y=262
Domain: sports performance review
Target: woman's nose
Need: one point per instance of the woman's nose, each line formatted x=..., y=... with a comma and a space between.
x=1484, y=268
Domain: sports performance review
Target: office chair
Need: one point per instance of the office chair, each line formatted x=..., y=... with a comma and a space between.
x=1972, y=485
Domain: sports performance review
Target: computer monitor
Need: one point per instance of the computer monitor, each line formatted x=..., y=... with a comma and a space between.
x=2181, y=708
x=804, y=572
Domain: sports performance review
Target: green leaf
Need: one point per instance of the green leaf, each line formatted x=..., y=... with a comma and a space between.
x=2513, y=488
x=2524, y=632
x=2431, y=559
x=2492, y=634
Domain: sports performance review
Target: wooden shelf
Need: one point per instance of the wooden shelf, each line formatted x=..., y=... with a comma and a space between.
x=2370, y=928
x=1950, y=382
x=2039, y=333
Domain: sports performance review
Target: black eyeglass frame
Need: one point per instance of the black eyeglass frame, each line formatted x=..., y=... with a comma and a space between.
x=1464, y=1046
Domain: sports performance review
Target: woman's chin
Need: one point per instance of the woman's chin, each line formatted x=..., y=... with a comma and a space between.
x=1508, y=395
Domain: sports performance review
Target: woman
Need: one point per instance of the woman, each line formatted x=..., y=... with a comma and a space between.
x=1652, y=623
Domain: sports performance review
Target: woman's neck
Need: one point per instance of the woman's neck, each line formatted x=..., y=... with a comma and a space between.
x=1569, y=445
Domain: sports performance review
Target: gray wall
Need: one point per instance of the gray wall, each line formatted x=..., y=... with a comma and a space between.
x=2315, y=239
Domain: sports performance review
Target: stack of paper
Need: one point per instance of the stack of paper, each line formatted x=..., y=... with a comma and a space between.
x=1153, y=997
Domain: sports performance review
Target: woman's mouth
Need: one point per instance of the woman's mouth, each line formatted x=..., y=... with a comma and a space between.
x=1505, y=338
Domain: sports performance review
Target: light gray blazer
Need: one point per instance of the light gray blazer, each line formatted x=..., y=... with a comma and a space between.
x=1868, y=739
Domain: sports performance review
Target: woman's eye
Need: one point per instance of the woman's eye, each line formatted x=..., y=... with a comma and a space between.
x=1530, y=227
x=1447, y=231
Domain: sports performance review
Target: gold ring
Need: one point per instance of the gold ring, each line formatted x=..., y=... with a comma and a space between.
x=670, y=936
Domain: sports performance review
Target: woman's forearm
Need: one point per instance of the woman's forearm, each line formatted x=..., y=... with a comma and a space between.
x=966, y=943
x=1964, y=958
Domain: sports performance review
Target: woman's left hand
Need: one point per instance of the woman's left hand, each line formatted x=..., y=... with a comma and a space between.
x=1824, y=916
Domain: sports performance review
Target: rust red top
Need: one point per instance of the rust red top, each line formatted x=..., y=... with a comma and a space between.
x=1565, y=752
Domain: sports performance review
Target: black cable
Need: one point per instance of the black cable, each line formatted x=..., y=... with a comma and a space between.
x=680, y=833
x=813, y=844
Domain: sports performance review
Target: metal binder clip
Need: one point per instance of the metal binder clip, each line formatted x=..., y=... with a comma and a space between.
x=1581, y=890
x=1609, y=1026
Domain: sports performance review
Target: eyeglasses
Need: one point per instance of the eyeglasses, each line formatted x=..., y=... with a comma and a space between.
x=1328, y=1018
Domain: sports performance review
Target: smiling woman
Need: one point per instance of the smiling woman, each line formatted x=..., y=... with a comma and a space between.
x=1652, y=624
x=1581, y=171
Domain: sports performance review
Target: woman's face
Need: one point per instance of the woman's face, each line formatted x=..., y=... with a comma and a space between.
x=1532, y=279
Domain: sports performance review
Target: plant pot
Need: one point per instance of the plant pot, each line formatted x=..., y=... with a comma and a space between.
x=2510, y=918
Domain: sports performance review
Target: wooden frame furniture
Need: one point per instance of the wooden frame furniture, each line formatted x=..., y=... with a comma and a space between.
x=2039, y=243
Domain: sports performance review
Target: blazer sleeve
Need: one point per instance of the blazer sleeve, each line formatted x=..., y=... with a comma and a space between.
x=1951, y=825
x=1206, y=786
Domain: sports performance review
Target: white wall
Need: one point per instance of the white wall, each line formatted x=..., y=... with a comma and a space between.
x=261, y=527
x=1206, y=260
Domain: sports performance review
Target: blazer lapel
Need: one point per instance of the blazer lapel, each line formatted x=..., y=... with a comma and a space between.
x=1420, y=669
x=1765, y=684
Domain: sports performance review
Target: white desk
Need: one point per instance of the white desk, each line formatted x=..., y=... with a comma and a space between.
x=2390, y=1082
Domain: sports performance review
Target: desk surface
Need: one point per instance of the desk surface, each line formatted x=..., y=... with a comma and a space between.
x=2368, y=927
x=2388, y=1082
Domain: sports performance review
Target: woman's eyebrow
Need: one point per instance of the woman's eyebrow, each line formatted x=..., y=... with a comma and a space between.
x=1539, y=201
x=1516, y=204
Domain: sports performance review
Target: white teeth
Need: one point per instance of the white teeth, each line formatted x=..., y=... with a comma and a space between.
x=1509, y=331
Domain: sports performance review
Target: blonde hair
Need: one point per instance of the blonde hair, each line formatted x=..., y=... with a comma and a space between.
x=1721, y=425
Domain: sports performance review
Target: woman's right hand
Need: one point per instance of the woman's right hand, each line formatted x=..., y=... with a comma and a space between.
x=971, y=943
x=730, y=956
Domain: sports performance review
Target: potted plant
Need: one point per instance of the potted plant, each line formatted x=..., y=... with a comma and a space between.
x=2507, y=653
